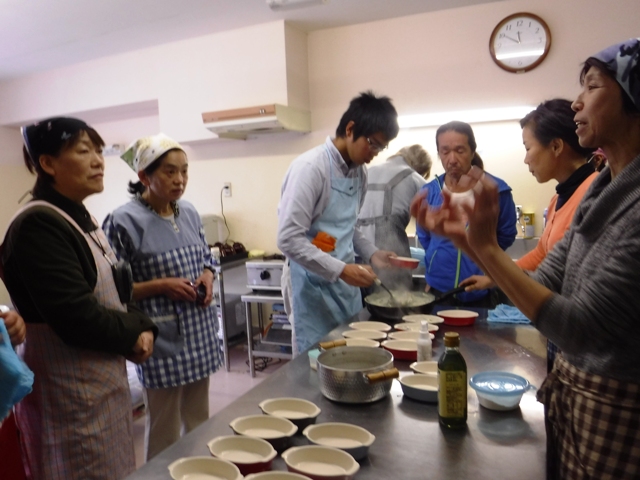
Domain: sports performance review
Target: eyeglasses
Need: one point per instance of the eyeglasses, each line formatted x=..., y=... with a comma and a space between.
x=375, y=147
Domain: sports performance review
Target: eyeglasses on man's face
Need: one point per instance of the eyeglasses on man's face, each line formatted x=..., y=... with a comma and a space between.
x=375, y=146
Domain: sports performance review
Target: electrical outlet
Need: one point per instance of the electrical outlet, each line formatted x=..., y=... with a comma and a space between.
x=227, y=189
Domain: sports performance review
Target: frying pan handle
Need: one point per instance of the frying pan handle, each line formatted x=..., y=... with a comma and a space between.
x=450, y=293
x=333, y=343
x=376, y=377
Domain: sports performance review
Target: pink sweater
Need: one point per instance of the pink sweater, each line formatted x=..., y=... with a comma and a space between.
x=558, y=223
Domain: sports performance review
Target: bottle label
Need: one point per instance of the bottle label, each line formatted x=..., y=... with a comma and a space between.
x=452, y=393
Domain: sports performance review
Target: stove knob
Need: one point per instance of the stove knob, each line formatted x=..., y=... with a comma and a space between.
x=265, y=275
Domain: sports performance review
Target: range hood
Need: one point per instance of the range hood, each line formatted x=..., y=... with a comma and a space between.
x=240, y=123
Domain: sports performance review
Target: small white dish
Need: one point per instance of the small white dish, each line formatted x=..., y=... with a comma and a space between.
x=408, y=335
x=362, y=342
x=345, y=436
x=275, y=430
x=249, y=454
x=299, y=411
x=415, y=327
x=276, y=475
x=428, y=367
x=321, y=462
x=380, y=326
x=202, y=468
x=370, y=334
x=433, y=319
x=423, y=388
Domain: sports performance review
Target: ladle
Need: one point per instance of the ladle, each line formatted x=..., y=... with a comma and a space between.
x=379, y=283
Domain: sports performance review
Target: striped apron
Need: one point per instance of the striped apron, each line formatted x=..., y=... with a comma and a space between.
x=77, y=423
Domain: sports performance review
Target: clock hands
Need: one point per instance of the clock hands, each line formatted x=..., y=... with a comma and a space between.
x=513, y=39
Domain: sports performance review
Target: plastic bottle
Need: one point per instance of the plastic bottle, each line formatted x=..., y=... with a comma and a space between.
x=424, y=342
x=452, y=384
x=215, y=253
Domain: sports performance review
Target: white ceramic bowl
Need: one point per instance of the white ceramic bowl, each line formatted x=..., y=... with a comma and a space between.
x=362, y=342
x=193, y=468
x=417, y=318
x=249, y=454
x=500, y=391
x=345, y=436
x=275, y=430
x=407, y=335
x=458, y=318
x=380, y=326
x=321, y=463
x=429, y=367
x=423, y=388
x=414, y=327
x=299, y=411
x=402, y=349
x=276, y=475
x=370, y=334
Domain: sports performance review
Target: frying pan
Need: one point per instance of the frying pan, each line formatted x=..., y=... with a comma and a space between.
x=378, y=303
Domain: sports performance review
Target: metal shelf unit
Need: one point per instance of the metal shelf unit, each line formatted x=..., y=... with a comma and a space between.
x=220, y=269
x=270, y=346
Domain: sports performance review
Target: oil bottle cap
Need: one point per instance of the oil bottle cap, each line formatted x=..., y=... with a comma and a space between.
x=451, y=339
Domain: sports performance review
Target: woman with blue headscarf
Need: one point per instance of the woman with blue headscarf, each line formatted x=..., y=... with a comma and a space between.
x=585, y=295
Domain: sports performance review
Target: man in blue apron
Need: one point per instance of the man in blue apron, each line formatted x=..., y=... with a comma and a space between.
x=322, y=193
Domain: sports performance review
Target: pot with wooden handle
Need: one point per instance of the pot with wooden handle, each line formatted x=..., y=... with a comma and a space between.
x=356, y=374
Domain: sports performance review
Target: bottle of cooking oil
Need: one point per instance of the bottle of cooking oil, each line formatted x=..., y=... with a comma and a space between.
x=452, y=384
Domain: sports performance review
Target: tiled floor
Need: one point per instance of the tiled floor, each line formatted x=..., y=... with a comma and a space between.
x=225, y=388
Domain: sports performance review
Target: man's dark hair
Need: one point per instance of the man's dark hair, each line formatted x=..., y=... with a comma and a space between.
x=464, y=129
x=370, y=115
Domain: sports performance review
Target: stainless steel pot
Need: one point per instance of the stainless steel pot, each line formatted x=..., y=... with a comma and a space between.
x=356, y=374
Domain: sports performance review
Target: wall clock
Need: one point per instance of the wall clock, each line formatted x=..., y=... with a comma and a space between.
x=520, y=42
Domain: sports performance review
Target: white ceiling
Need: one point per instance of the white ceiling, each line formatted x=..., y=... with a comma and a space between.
x=38, y=35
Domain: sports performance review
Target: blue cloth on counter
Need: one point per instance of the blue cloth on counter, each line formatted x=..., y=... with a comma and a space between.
x=507, y=314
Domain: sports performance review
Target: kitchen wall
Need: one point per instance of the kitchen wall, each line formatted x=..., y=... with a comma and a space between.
x=426, y=63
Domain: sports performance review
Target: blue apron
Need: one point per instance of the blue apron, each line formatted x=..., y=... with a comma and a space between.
x=319, y=305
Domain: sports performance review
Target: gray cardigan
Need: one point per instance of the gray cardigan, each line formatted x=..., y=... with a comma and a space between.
x=594, y=317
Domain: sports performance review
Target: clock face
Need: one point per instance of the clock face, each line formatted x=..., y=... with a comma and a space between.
x=520, y=42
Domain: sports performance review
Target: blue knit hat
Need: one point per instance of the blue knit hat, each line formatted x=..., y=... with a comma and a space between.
x=623, y=59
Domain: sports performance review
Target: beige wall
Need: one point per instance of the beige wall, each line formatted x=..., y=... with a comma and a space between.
x=427, y=63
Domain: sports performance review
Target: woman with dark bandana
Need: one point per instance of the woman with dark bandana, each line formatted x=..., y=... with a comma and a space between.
x=585, y=295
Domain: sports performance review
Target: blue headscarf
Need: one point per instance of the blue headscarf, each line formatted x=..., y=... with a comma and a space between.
x=623, y=59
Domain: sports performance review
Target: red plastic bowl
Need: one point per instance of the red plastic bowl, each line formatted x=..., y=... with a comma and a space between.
x=458, y=318
x=402, y=349
x=404, y=262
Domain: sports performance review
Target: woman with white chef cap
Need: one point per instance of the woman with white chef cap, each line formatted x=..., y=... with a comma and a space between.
x=162, y=237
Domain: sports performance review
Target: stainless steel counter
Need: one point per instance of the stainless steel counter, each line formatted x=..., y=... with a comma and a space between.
x=410, y=444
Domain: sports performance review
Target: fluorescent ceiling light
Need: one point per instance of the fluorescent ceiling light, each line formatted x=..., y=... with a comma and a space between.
x=530, y=53
x=469, y=116
x=291, y=4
